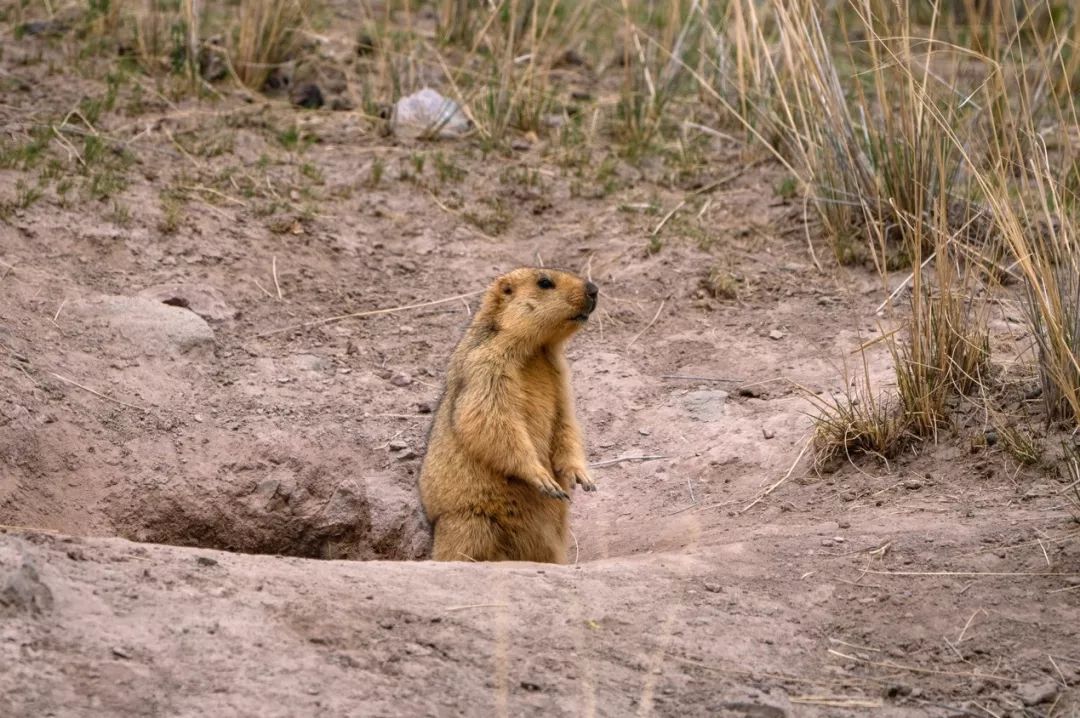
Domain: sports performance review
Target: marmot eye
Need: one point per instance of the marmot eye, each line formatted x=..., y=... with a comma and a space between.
x=508, y=289
x=545, y=283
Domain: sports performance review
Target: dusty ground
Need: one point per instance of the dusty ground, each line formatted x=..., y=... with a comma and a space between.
x=168, y=377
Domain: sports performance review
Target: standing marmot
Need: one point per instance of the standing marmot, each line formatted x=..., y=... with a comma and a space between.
x=505, y=449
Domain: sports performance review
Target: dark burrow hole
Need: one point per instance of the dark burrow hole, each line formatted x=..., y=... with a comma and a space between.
x=177, y=302
x=286, y=507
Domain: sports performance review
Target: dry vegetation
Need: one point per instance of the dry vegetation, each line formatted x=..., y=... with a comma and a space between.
x=934, y=139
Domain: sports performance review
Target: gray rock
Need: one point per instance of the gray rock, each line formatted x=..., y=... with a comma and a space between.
x=156, y=328
x=1038, y=691
x=21, y=588
x=705, y=405
x=397, y=520
x=310, y=363
x=428, y=114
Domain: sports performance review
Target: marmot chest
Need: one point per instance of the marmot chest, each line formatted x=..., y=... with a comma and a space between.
x=541, y=384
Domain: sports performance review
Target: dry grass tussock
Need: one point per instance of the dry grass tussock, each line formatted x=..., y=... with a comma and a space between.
x=930, y=138
x=184, y=38
x=267, y=35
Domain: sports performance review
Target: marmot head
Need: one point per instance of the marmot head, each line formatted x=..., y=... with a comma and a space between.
x=537, y=305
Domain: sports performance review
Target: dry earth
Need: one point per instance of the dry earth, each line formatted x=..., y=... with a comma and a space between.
x=192, y=459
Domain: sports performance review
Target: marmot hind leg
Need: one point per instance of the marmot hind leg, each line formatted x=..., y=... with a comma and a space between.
x=465, y=536
x=543, y=547
x=468, y=537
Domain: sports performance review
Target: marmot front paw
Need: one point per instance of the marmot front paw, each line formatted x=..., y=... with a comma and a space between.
x=576, y=475
x=549, y=487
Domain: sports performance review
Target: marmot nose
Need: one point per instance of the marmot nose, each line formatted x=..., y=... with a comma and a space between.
x=591, y=291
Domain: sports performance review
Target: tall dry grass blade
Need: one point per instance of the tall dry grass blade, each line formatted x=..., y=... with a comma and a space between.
x=265, y=38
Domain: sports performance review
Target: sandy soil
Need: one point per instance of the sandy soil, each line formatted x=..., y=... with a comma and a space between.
x=185, y=440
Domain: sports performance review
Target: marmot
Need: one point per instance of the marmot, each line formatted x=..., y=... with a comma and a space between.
x=505, y=449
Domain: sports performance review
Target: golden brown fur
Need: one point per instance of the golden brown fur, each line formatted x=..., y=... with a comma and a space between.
x=505, y=449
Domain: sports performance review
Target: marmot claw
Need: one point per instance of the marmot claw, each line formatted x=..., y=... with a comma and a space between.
x=578, y=476
x=554, y=492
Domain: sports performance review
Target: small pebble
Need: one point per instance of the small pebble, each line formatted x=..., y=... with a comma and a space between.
x=401, y=379
x=713, y=587
x=913, y=484
x=844, y=524
x=1033, y=693
x=365, y=45
x=120, y=652
x=767, y=433
x=397, y=445
x=776, y=335
x=342, y=104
